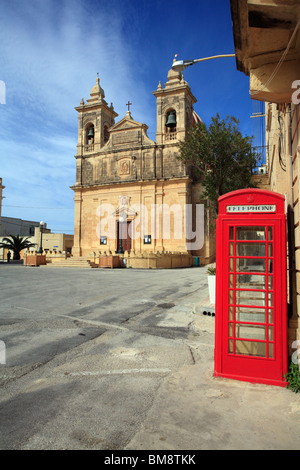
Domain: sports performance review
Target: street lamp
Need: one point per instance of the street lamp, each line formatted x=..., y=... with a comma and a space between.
x=181, y=65
x=41, y=230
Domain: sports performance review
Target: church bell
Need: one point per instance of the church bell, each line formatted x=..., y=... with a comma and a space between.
x=171, y=122
x=91, y=133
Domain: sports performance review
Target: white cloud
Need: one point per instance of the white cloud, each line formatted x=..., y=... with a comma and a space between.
x=51, y=52
x=51, y=64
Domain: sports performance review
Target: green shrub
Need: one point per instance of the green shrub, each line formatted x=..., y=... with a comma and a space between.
x=293, y=378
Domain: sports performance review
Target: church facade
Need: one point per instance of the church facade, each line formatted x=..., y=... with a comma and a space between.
x=133, y=197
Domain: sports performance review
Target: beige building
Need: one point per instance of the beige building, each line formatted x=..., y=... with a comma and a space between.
x=132, y=194
x=267, y=46
x=52, y=243
x=15, y=226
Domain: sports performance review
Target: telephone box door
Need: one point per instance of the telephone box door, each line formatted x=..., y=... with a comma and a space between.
x=251, y=294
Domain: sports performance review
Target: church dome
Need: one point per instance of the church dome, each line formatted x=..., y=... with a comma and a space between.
x=196, y=119
x=97, y=91
x=173, y=75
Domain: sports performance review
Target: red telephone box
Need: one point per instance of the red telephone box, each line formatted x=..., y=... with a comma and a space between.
x=251, y=291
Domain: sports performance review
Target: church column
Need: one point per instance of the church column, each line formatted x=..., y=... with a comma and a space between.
x=183, y=201
x=157, y=219
x=76, y=250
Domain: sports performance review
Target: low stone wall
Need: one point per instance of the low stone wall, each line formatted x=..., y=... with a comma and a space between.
x=142, y=260
x=148, y=260
x=51, y=256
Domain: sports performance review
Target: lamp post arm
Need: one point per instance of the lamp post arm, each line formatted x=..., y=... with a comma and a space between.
x=180, y=65
x=214, y=57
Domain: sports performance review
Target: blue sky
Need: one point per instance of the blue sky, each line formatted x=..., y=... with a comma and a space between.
x=51, y=51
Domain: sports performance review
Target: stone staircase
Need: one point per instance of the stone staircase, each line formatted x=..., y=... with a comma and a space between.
x=73, y=262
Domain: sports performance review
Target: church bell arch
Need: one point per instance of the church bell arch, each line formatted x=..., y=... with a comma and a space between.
x=171, y=120
x=89, y=134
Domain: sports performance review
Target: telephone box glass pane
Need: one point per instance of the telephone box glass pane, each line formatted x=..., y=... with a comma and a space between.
x=250, y=314
x=245, y=297
x=270, y=350
x=251, y=265
x=251, y=348
x=271, y=333
x=270, y=279
x=270, y=299
x=250, y=249
x=251, y=233
x=270, y=315
x=270, y=233
x=250, y=281
x=250, y=331
x=270, y=266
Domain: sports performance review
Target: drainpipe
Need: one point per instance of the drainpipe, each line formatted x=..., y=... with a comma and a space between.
x=291, y=155
x=291, y=228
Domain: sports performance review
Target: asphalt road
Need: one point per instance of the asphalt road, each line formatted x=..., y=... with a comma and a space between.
x=87, y=351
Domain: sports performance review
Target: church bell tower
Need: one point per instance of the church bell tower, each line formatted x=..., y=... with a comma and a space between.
x=174, y=109
x=94, y=120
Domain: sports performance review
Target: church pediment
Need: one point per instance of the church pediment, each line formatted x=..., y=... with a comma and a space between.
x=127, y=123
x=128, y=133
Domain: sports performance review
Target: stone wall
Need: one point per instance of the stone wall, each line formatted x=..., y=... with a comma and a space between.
x=149, y=260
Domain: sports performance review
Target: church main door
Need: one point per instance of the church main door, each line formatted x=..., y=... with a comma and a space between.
x=124, y=236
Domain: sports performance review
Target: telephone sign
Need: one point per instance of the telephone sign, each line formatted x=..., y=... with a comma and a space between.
x=251, y=292
x=247, y=208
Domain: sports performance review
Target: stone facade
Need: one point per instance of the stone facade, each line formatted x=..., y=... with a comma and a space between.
x=122, y=174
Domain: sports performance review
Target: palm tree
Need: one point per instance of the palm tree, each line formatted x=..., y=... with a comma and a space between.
x=16, y=244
